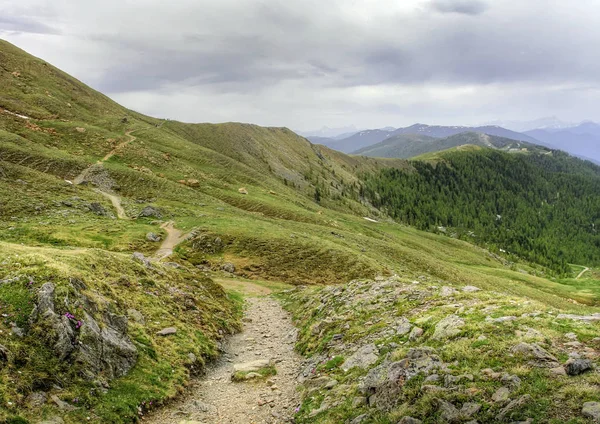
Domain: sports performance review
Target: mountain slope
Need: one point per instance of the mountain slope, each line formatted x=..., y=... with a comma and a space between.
x=411, y=145
x=262, y=202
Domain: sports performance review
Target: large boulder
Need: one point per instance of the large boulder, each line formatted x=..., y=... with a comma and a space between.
x=97, y=341
x=150, y=212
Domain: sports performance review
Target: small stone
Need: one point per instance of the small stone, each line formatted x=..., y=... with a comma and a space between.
x=571, y=336
x=167, y=331
x=469, y=409
x=228, y=267
x=447, y=291
x=242, y=190
x=409, y=420
x=252, y=366
x=501, y=395
x=252, y=375
x=36, y=399
x=470, y=289
x=359, y=401
x=517, y=403
x=591, y=410
x=558, y=371
x=362, y=358
x=448, y=412
x=153, y=237
x=415, y=333
x=62, y=404
x=403, y=326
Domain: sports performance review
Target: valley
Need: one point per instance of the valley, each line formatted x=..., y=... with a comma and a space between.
x=142, y=258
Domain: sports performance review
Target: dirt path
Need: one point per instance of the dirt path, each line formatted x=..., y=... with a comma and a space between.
x=582, y=272
x=131, y=138
x=174, y=237
x=116, y=202
x=268, y=334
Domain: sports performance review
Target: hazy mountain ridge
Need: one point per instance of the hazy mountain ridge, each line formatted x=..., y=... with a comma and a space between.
x=411, y=145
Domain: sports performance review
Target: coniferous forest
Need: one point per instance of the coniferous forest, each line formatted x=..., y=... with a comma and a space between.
x=541, y=207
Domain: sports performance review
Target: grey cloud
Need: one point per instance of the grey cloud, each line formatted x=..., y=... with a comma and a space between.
x=25, y=24
x=311, y=61
x=465, y=7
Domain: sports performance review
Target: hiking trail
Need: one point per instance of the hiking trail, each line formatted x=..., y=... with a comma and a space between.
x=268, y=334
x=174, y=237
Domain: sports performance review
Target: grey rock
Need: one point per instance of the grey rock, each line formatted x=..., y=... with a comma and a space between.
x=512, y=381
x=447, y=291
x=403, y=326
x=136, y=316
x=97, y=208
x=500, y=319
x=106, y=348
x=571, y=336
x=383, y=384
x=166, y=331
x=17, y=331
x=139, y=257
x=585, y=318
x=501, y=395
x=409, y=420
x=558, y=371
x=578, y=366
x=153, y=237
x=448, y=412
x=415, y=333
x=228, y=267
x=591, y=410
x=359, y=401
x=62, y=404
x=448, y=327
x=362, y=358
x=36, y=399
x=515, y=404
x=469, y=409
x=359, y=419
x=535, y=352
x=150, y=212
x=322, y=382
x=470, y=289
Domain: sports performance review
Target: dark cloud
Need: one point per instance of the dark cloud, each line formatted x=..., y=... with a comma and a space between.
x=465, y=7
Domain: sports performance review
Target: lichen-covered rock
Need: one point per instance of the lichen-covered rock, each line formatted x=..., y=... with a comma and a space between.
x=228, y=267
x=540, y=357
x=102, y=347
x=591, y=410
x=155, y=238
x=362, y=358
x=448, y=327
x=139, y=257
x=383, y=384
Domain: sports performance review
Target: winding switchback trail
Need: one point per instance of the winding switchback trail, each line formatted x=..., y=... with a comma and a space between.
x=174, y=237
x=582, y=272
x=215, y=399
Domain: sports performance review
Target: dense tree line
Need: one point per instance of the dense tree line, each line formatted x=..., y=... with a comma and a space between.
x=544, y=208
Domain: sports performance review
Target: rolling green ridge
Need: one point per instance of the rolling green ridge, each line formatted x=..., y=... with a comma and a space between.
x=412, y=145
x=265, y=200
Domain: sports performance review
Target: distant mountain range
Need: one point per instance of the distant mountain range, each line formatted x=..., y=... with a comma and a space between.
x=582, y=140
x=367, y=138
x=410, y=145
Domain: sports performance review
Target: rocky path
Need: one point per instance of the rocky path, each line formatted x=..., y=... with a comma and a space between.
x=174, y=237
x=268, y=334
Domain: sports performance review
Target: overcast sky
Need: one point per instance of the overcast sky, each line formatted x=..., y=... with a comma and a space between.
x=308, y=63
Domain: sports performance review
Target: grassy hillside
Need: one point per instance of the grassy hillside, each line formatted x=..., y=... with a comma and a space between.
x=412, y=145
x=263, y=199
